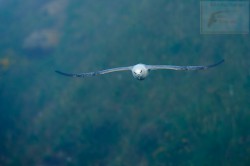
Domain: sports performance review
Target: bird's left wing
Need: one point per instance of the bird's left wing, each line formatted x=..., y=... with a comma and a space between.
x=171, y=67
x=90, y=74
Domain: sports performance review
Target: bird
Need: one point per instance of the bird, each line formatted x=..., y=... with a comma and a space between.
x=140, y=71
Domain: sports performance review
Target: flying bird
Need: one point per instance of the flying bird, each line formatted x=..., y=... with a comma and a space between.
x=140, y=71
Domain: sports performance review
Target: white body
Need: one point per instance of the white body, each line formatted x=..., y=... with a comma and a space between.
x=140, y=71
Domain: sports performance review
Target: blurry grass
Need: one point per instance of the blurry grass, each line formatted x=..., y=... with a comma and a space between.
x=171, y=118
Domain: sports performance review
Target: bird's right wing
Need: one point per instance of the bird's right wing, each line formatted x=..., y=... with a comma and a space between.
x=90, y=74
x=171, y=67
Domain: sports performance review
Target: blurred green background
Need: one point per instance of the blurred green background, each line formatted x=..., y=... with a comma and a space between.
x=172, y=118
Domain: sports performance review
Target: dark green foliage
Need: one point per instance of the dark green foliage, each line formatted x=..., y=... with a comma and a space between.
x=171, y=118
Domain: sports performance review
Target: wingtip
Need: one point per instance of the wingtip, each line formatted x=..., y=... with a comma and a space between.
x=216, y=64
x=62, y=73
x=220, y=62
x=59, y=72
x=223, y=60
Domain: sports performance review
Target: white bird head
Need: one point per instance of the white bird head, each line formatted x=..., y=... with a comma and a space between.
x=140, y=71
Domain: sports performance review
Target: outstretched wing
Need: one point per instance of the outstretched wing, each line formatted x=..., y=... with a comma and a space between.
x=90, y=74
x=171, y=67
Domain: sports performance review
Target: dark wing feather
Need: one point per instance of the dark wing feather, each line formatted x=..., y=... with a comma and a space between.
x=90, y=74
x=171, y=67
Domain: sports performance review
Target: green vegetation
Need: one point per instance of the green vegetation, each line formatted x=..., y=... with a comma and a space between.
x=172, y=118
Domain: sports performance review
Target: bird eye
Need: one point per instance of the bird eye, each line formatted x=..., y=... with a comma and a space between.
x=141, y=71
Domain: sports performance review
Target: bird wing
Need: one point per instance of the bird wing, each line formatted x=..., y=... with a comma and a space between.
x=90, y=74
x=171, y=67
